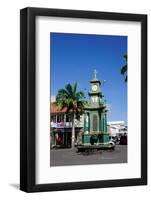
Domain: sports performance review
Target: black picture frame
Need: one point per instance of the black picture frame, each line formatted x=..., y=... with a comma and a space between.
x=28, y=99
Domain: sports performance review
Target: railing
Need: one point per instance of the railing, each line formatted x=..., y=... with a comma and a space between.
x=66, y=124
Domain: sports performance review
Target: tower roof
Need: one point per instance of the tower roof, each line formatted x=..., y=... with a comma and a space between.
x=95, y=80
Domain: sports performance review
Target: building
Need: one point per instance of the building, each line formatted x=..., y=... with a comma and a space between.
x=117, y=128
x=61, y=127
x=90, y=128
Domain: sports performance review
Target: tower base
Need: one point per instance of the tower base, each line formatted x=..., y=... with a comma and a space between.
x=100, y=138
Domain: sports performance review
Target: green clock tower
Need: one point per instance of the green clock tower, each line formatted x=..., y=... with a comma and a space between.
x=95, y=116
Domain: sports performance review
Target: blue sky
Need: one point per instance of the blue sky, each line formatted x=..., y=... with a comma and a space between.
x=74, y=58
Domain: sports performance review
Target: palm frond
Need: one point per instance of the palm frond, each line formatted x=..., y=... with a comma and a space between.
x=62, y=94
x=61, y=104
x=80, y=95
x=68, y=87
x=124, y=69
x=125, y=57
x=75, y=87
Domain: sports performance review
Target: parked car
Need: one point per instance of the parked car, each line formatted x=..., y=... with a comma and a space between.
x=114, y=139
x=123, y=140
x=112, y=145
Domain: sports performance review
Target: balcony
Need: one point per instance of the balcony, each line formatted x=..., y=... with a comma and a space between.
x=66, y=124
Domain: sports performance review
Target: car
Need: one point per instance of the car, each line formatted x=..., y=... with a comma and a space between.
x=123, y=140
x=111, y=144
x=113, y=139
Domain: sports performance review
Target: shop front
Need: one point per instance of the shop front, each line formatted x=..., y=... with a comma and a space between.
x=61, y=137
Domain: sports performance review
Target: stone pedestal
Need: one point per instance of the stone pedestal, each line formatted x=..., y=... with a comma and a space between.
x=100, y=138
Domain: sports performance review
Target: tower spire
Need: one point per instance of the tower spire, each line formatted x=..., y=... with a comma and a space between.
x=95, y=73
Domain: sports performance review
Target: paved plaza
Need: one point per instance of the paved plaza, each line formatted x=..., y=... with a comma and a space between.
x=64, y=157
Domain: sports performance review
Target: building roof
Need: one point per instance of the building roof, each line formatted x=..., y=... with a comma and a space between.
x=116, y=123
x=54, y=109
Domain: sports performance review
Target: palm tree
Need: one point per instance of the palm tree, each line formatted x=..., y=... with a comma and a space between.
x=124, y=68
x=73, y=101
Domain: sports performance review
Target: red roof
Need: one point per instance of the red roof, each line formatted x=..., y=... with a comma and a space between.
x=54, y=109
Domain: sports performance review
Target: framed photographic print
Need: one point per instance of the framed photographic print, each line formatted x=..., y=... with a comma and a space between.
x=83, y=99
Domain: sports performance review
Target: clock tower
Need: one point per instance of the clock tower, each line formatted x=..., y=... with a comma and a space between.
x=95, y=91
x=95, y=115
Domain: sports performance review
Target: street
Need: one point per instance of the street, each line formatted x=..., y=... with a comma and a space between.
x=64, y=157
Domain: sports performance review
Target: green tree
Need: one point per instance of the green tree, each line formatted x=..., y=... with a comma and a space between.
x=73, y=101
x=124, y=68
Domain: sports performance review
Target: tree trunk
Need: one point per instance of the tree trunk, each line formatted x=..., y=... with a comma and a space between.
x=73, y=131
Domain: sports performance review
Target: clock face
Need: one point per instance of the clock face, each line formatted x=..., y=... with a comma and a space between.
x=94, y=88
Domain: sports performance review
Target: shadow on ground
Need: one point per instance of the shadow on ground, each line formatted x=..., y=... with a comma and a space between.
x=15, y=185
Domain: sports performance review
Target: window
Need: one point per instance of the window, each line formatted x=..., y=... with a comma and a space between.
x=94, y=122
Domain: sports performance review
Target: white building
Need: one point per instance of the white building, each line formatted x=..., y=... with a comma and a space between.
x=117, y=128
